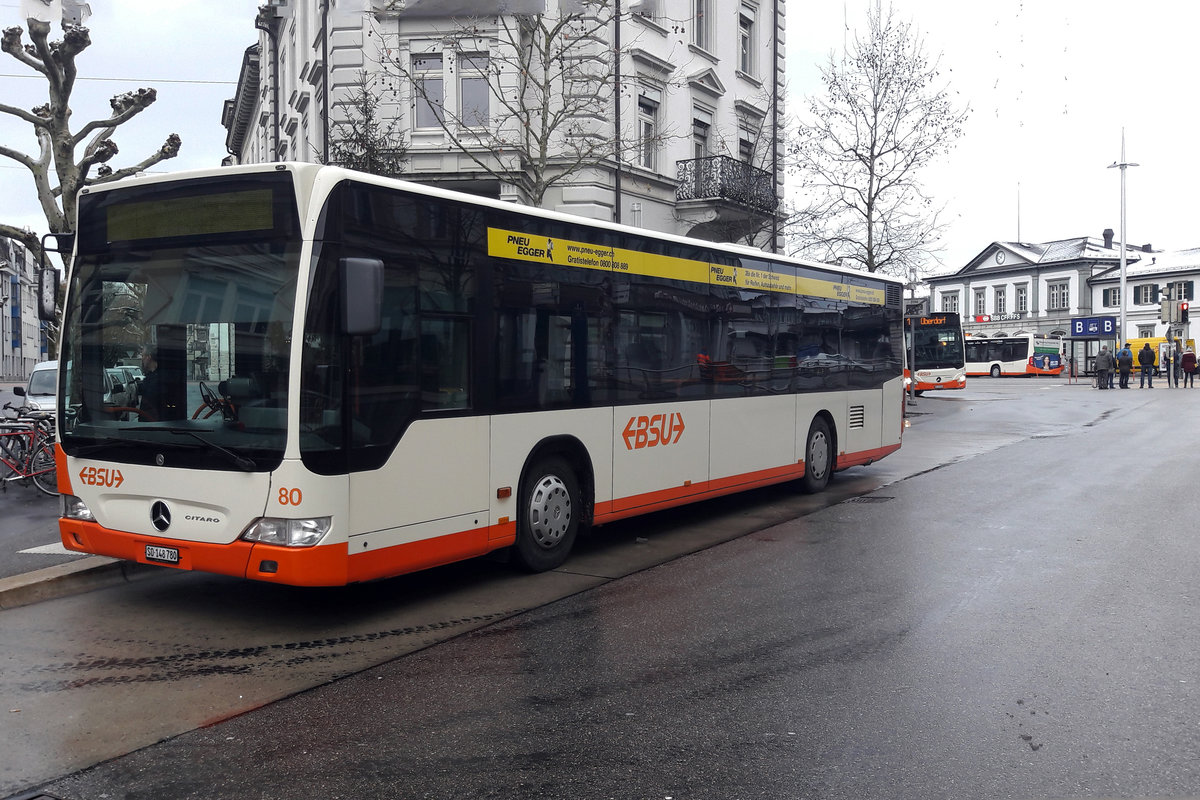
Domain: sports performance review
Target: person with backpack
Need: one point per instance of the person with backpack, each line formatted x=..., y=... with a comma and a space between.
x=1146, y=363
x=1125, y=364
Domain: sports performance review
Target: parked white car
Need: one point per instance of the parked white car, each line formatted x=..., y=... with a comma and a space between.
x=41, y=394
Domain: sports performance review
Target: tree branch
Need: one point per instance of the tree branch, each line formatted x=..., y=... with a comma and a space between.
x=170, y=149
x=11, y=44
x=126, y=106
x=26, y=116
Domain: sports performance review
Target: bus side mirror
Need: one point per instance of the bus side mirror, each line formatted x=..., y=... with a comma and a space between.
x=362, y=295
x=47, y=293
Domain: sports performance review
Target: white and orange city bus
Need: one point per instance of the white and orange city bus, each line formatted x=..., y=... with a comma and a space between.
x=1022, y=354
x=347, y=377
x=936, y=356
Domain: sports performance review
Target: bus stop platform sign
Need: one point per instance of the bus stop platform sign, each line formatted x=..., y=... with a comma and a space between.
x=1094, y=327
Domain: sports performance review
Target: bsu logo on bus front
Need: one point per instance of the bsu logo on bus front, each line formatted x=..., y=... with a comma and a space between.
x=660, y=429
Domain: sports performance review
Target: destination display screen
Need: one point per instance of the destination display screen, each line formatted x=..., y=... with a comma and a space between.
x=200, y=215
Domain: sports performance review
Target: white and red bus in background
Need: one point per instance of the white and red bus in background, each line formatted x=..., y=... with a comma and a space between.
x=936, y=357
x=1022, y=354
x=350, y=377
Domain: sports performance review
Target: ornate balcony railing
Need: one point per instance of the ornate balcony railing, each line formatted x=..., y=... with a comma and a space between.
x=725, y=178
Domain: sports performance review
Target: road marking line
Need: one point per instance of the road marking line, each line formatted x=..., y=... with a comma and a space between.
x=55, y=549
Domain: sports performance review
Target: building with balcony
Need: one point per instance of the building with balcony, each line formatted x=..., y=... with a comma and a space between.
x=675, y=102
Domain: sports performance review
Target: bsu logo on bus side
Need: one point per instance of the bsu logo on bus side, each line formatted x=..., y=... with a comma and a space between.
x=660, y=429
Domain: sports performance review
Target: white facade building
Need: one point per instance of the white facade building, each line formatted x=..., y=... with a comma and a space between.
x=1019, y=287
x=22, y=340
x=690, y=141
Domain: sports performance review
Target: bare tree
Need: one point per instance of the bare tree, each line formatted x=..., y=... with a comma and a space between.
x=58, y=174
x=364, y=139
x=884, y=117
x=549, y=82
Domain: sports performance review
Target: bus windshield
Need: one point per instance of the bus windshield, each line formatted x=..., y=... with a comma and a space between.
x=175, y=348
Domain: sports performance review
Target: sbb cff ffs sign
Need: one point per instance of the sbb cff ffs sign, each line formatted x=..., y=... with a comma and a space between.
x=1102, y=327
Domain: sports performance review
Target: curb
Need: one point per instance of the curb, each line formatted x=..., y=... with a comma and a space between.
x=63, y=580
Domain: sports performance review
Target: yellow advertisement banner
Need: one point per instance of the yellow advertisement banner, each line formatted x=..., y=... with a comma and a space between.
x=567, y=253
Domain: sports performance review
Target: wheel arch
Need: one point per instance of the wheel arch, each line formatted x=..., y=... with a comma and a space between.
x=825, y=414
x=575, y=453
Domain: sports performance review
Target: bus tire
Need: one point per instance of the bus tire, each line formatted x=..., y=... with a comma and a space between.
x=818, y=457
x=549, y=515
x=995, y=370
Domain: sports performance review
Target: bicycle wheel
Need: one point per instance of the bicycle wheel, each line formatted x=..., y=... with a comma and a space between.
x=43, y=469
x=14, y=447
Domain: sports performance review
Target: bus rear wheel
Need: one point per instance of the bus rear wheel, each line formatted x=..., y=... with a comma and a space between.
x=549, y=515
x=818, y=457
x=995, y=370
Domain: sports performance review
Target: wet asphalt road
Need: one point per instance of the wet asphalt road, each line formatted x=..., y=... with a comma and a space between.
x=1018, y=623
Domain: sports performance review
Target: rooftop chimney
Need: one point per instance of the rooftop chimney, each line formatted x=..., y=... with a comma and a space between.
x=1146, y=248
x=1108, y=237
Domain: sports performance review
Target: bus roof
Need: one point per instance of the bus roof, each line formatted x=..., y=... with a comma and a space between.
x=308, y=176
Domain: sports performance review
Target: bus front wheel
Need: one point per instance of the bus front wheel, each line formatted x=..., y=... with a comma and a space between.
x=549, y=515
x=818, y=457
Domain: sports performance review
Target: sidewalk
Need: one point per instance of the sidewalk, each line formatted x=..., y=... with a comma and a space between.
x=77, y=577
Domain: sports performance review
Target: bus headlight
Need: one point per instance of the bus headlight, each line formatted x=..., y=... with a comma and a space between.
x=288, y=532
x=74, y=508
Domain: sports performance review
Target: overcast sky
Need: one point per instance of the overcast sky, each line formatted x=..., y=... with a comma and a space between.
x=1051, y=84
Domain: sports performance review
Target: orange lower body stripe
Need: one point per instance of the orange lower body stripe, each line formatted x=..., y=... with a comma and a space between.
x=325, y=565
x=337, y=565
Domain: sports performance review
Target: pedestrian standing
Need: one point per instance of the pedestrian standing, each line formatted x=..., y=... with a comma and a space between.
x=1177, y=364
x=1188, y=362
x=1166, y=361
x=1104, y=367
x=1125, y=364
x=1146, y=363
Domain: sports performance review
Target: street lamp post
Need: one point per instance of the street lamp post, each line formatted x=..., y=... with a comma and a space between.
x=1122, y=335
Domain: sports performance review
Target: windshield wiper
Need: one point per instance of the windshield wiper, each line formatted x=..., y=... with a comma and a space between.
x=238, y=460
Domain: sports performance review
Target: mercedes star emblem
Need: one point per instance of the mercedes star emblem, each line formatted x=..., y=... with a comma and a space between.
x=160, y=515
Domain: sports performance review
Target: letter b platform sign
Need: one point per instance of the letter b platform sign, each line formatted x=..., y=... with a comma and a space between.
x=1094, y=327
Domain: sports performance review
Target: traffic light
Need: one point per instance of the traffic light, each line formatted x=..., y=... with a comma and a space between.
x=1183, y=311
x=1164, y=311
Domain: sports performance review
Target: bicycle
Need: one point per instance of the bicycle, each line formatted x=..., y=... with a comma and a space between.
x=27, y=449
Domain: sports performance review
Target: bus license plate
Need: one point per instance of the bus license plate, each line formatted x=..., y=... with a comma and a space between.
x=167, y=555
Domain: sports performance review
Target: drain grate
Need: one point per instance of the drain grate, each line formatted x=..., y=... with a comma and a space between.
x=874, y=499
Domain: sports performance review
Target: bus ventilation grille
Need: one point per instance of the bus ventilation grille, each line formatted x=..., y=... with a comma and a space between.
x=858, y=416
x=893, y=298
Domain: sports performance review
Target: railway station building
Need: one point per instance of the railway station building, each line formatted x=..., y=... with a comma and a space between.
x=1047, y=288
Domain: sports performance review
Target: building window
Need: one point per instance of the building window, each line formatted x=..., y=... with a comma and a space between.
x=701, y=128
x=1000, y=300
x=1059, y=296
x=1145, y=331
x=1179, y=290
x=1022, y=299
x=430, y=97
x=646, y=9
x=745, y=150
x=980, y=302
x=950, y=302
x=701, y=23
x=648, y=129
x=1145, y=294
x=474, y=95
x=749, y=131
x=746, y=47
x=1111, y=298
